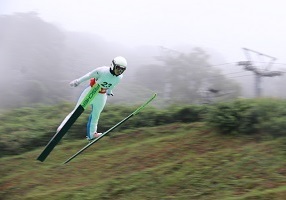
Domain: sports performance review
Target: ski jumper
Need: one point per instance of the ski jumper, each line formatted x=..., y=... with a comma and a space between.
x=107, y=80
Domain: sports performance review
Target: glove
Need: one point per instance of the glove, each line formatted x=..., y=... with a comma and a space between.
x=109, y=93
x=92, y=82
x=74, y=83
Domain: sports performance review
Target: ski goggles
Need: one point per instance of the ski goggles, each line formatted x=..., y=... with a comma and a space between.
x=119, y=68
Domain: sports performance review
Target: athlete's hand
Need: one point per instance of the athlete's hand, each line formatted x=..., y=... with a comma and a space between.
x=109, y=93
x=74, y=83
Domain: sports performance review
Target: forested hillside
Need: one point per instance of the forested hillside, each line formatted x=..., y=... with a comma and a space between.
x=39, y=59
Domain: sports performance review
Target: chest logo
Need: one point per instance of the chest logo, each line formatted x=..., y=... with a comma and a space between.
x=106, y=85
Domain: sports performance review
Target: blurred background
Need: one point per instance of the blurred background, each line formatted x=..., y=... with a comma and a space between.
x=186, y=51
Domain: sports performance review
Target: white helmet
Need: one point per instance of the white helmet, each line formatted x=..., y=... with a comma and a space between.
x=119, y=61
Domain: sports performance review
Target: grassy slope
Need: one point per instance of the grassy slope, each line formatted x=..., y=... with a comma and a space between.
x=176, y=161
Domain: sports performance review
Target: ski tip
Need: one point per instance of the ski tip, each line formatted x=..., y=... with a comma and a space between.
x=153, y=97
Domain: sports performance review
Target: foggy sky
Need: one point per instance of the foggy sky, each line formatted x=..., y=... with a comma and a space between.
x=222, y=25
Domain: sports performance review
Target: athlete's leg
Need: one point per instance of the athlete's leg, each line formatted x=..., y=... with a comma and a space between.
x=97, y=106
x=83, y=94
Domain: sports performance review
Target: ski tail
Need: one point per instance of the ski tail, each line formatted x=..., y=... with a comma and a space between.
x=78, y=111
x=112, y=128
x=58, y=136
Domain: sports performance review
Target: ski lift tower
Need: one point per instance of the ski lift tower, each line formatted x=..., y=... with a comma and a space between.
x=258, y=72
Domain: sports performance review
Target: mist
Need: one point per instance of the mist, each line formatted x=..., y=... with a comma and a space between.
x=183, y=50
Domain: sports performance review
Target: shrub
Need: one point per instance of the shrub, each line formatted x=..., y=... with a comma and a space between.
x=24, y=129
x=249, y=116
x=193, y=113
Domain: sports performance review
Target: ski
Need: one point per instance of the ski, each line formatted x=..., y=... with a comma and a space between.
x=77, y=112
x=111, y=129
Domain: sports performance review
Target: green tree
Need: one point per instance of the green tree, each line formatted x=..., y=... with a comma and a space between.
x=181, y=77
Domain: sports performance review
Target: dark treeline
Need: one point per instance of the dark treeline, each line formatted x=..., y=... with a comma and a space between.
x=34, y=127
